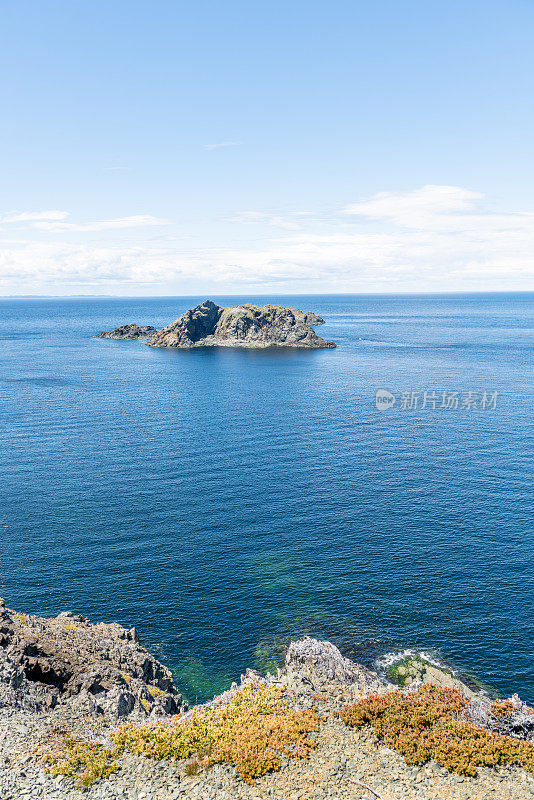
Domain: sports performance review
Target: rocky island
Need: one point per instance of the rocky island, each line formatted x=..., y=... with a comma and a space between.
x=85, y=708
x=246, y=325
x=129, y=331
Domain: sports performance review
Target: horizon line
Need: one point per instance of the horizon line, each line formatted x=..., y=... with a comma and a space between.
x=260, y=294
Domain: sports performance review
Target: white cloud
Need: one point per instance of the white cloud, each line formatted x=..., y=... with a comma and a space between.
x=416, y=209
x=431, y=239
x=218, y=145
x=138, y=221
x=33, y=216
x=261, y=217
x=409, y=208
x=440, y=209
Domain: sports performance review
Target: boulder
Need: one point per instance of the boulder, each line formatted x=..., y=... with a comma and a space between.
x=320, y=664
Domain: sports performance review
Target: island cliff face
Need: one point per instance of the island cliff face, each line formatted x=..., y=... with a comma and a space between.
x=247, y=325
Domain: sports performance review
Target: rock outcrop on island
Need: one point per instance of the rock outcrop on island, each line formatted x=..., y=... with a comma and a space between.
x=131, y=331
x=313, y=319
x=247, y=325
x=94, y=668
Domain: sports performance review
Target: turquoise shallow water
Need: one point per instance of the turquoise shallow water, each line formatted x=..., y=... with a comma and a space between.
x=224, y=500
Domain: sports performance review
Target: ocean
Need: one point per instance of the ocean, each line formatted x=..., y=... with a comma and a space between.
x=225, y=501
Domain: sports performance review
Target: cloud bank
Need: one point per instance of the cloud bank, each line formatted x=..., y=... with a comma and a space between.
x=435, y=238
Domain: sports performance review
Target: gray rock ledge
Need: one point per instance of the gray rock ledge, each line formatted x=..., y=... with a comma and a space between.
x=93, y=668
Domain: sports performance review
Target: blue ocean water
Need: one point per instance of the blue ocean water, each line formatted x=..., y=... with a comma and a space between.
x=224, y=500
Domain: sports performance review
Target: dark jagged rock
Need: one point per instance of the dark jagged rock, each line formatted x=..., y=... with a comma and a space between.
x=131, y=331
x=190, y=329
x=247, y=325
x=96, y=668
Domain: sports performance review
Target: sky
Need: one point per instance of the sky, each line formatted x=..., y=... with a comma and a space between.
x=174, y=148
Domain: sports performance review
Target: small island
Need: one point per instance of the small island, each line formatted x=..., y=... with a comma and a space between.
x=246, y=325
x=129, y=331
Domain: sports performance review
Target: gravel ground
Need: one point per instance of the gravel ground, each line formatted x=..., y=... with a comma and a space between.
x=345, y=764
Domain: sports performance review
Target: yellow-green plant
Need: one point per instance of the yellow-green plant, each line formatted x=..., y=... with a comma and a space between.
x=86, y=762
x=192, y=768
x=254, y=732
x=430, y=724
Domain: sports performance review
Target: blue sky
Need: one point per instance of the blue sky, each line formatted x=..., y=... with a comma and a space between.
x=179, y=147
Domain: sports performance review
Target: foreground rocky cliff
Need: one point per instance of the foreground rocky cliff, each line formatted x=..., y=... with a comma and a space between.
x=68, y=661
x=247, y=325
x=317, y=690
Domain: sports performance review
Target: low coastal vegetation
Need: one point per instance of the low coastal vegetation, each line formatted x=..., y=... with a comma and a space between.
x=86, y=762
x=254, y=732
x=433, y=723
x=258, y=729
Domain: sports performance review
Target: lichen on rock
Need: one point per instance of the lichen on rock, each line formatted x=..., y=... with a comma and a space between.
x=412, y=670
